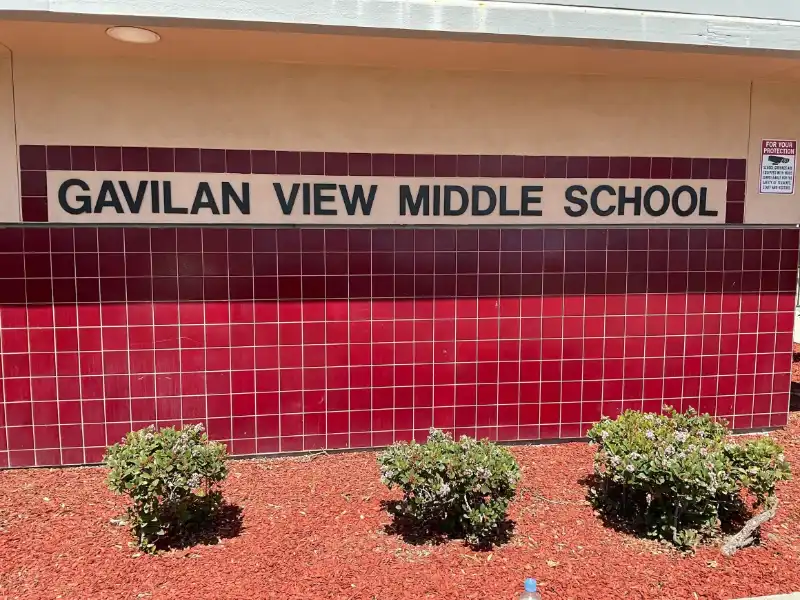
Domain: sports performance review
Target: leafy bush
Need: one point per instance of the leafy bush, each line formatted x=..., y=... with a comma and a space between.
x=677, y=477
x=171, y=478
x=457, y=488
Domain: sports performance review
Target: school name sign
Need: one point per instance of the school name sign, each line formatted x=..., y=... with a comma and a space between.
x=108, y=197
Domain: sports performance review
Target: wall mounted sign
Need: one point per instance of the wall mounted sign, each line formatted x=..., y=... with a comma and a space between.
x=161, y=198
x=778, y=162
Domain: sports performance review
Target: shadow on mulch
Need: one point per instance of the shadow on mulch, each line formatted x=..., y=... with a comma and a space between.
x=794, y=394
x=225, y=524
x=611, y=518
x=418, y=533
x=632, y=522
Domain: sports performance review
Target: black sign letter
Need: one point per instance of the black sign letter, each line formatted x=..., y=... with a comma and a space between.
x=648, y=200
x=242, y=202
x=320, y=196
x=358, y=199
x=108, y=197
x=676, y=201
x=134, y=204
x=410, y=204
x=286, y=205
x=704, y=212
x=504, y=210
x=572, y=198
x=203, y=191
x=528, y=198
x=449, y=190
x=84, y=202
x=636, y=200
x=602, y=212
x=476, y=200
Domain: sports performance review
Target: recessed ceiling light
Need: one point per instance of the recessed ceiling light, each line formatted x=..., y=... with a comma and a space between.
x=133, y=35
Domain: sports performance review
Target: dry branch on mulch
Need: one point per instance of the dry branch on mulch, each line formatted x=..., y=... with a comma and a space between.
x=751, y=530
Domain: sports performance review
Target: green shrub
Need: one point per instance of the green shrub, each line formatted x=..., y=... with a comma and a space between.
x=456, y=488
x=677, y=477
x=171, y=478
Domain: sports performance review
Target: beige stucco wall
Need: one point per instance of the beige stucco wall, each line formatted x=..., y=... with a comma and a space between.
x=9, y=182
x=775, y=115
x=373, y=110
x=247, y=105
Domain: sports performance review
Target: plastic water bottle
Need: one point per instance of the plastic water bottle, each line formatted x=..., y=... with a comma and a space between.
x=530, y=592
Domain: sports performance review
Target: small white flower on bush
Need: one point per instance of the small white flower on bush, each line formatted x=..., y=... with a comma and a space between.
x=682, y=436
x=649, y=434
x=630, y=468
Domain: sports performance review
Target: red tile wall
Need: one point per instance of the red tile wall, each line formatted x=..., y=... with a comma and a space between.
x=298, y=339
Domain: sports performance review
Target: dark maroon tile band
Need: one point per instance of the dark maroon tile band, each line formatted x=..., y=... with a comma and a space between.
x=35, y=161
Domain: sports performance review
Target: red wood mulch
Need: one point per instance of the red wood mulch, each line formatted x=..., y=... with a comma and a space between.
x=796, y=364
x=315, y=529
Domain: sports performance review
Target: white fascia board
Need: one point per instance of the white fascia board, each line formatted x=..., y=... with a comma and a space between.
x=787, y=10
x=597, y=21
